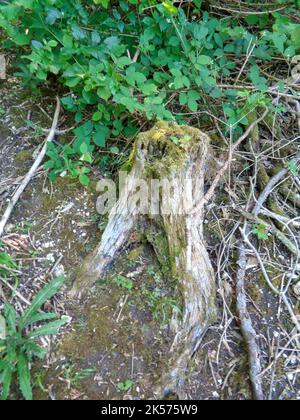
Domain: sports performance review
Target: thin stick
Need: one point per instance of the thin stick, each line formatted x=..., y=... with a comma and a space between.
x=271, y=185
x=32, y=171
x=15, y=291
x=271, y=285
x=210, y=193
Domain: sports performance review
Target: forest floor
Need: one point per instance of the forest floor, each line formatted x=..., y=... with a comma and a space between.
x=118, y=341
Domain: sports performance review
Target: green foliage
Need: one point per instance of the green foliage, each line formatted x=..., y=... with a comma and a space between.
x=74, y=377
x=160, y=305
x=260, y=232
x=6, y=263
x=123, y=282
x=125, y=386
x=18, y=334
x=121, y=63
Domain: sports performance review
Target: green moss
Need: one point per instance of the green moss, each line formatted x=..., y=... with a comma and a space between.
x=159, y=241
x=24, y=156
x=135, y=253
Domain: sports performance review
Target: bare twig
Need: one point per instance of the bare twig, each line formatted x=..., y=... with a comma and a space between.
x=271, y=285
x=210, y=193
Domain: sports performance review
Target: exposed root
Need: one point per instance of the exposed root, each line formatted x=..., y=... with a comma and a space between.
x=32, y=171
x=177, y=235
x=247, y=328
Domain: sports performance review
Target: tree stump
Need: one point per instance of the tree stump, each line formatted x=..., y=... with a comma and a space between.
x=177, y=158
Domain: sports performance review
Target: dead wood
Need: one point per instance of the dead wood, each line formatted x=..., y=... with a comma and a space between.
x=166, y=153
x=31, y=172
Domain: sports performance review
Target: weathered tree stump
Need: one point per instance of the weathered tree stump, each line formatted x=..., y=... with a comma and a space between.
x=176, y=156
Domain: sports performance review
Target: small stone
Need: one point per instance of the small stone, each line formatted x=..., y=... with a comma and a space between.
x=50, y=257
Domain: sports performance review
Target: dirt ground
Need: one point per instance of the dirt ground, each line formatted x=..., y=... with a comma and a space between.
x=118, y=342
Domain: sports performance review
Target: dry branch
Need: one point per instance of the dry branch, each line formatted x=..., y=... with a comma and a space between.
x=32, y=171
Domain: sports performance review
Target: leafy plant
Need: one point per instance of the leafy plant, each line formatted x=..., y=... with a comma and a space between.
x=123, y=63
x=260, y=232
x=123, y=282
x=19, y=335
x=161, y=306
x=6, y=263
x=74, y=377
x=125, y=386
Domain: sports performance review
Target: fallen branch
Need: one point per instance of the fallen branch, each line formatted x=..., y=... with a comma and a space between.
x=272, y=229
x=210, y=193
x=281, y=294
x=32, y=171
x=246, y=323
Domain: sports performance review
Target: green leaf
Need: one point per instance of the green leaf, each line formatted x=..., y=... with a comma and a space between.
x=24, y=377
x=68, y=41
x=97, y=116
x=123, y=62
x=125, y=386
x=11, y=318
x=84, y=180
x=51, y=328
x=52, y=16
x=42, y=317
x=183, y=98
x=103, y=3
x=6, y=383
x=193, y=97
x=124, y=282
x=43, y=295
x=169, y=7
x=6, y=260
x=204, y=60
x=21, y=39
x=101, y=135
x=260, y=231
x=78, y=33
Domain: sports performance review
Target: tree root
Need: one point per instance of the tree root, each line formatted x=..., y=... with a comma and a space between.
x=178, y=234
x=247, y=328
